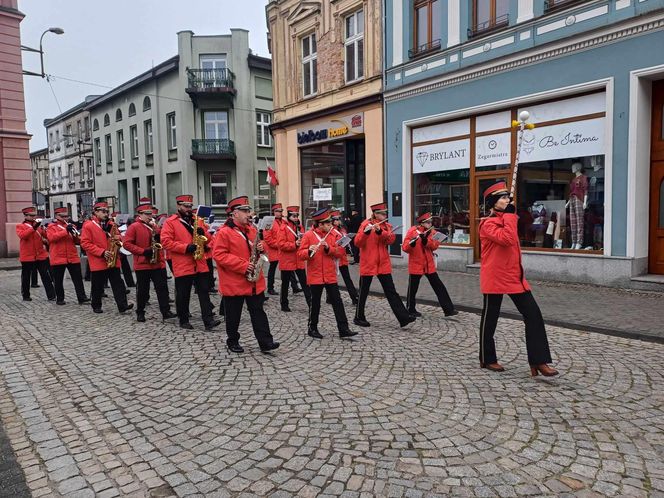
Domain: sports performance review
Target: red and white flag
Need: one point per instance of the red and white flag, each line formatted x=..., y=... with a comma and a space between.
x=271, y=175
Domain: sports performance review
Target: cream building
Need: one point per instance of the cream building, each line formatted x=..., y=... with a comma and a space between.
x=328, y=120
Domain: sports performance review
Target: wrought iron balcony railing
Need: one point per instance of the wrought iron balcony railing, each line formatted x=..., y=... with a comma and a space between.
x=204, y=80
x=212, y=148
x=425, y=48
x=488, y=26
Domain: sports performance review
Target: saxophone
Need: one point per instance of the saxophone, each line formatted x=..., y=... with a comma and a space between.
x=257, y=258
x=155, y=246
x=114, y=245
x=199, y=241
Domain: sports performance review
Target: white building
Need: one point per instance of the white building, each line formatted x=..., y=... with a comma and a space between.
x=40, y=180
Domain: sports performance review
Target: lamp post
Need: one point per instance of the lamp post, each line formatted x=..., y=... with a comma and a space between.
x=57, y=31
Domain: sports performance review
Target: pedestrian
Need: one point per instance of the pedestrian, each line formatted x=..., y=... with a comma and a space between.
x=32, y=254
x=419, y=244
x=233, y=249
x=290, y=265
x=501, y=273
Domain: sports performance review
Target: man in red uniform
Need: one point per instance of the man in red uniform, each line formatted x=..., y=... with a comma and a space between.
x=139, y=241
x=232, y=251
x=96, y=241
x=339, y=232
x=373, y=238
x=272, y=249
x=290, y=265
x=420, y=245
x=320, y=251
x=32, y=254
x=177, y=237
x=63, y=237
x=502, y=273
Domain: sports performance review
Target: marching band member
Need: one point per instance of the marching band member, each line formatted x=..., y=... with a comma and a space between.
x=177, y=237
x=142, y=240
x=501, y=273
x=420, y=246
x=96, y=240
x=232, y=251
x=373, y=238
x=320, y=256
x=32, y=254
x=63, y=237
x=290, y=265
x=343, y=260
x=124, y=262
x=272, y=247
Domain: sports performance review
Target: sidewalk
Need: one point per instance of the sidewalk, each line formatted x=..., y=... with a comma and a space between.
x=620, y=312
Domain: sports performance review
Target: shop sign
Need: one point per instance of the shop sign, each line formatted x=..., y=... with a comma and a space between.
x=492, y=150
x=562, y=141
x=328, y=131
x=442, y=156
x=322, y=194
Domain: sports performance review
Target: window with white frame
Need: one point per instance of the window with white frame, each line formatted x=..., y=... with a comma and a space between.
x=89, y=166
x=172, y=131
x=109, y=150
x=216, y=125
x=98, y=151
x=121, y=148
x=148, y=137
x=309, y=65
x=133, y=141
x=354, y=46
x=263, y=138
x=219, y=189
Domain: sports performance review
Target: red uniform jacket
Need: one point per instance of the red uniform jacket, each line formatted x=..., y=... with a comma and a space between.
x=322, y=268
x=338, y=233
x=288, y=259
x=138, y=238
x=421, y=260
x=94, y=241
x=31, y=246
x=232, y=250
x=175, y=237
x=501, y=271
x=374, y=257
x=271, y=239
x=62, y=245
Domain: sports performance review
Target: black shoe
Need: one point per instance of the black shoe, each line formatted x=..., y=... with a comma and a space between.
x=140, y=316
x=104, y=295
x=127, y=308
x=347, y=333
x=286, y=309
x=362, y=322
x=270, y=347
x=127, y=291
x=235, y=348
x=169, y=314
x=212, y=324
x=35, y=286
x=28, y=298
x=171, y=300
x=327, y=301
x=87, y=279
x=409, y=320
x=452, y=313
x=415, y=313
x=213, y=290
x=97, y=310
x=187, y=326
x=313, y=332
x=84, y=300
x=272, y=292
x=52, y=298
x=297, y=290
x=60, y=303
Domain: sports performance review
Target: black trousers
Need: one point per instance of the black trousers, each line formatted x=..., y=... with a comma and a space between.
x=233, y=311
x=437, y=286
x=356, y=252
x=334, y=297
x=183, y=287
x=287, y=276
x=350, y=286
x=537, y=343
x=26, y=277
x=398, y=308
x=58, y=272
x=98, y=281
x=33, y=277
x=126, y=271
x=158, y=278
x=211, y=279
x=272, y=270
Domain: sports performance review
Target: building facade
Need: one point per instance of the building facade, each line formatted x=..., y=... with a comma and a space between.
x=15, y=182
x=590, y=190
x=192, y=124
x=71, y=172
x=328, y=119
x=40, y=181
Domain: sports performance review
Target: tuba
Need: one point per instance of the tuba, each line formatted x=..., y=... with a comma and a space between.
x=199, y=241
x=256, y=258
x=114, y=245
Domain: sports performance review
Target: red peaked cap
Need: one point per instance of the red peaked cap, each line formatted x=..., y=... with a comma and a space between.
x=293, y=209
x=184, y=198
x=238, y=203
x=277, y=206
x=336, y=214
x=144, y=207
x=61, y=210
x=100, y=205
x=496, y=188
x=382, y=206
x=29, y=210
x=321, y=215
x=145, y=200
x=423, y=217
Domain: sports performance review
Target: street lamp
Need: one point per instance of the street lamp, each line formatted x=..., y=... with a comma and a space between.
x=57, y=31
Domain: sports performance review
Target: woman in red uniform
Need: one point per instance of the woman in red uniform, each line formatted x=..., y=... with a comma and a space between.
x=501, y=273
x=339, y=232
x=32, y=254
x=291, y=267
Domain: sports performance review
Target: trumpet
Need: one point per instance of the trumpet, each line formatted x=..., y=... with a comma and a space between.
x=74, y=231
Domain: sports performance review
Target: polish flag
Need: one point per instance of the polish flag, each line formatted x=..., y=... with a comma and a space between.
x=271, y=175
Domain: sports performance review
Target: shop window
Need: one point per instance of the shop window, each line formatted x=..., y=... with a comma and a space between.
x=489, y=15
x=427, y=21
x=445, y=194
x=560, y=203
x=219, y=189
x=354, y=46
x=309, y=65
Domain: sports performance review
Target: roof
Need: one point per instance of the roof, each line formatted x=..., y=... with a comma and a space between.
x=258, y=62
x=70, y=112
x=165, y=67
x=39, y=152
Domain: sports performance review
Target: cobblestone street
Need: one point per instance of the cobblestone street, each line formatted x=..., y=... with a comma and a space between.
x=100, y=405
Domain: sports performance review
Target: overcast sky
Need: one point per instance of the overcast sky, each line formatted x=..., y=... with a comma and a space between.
x=110, y=41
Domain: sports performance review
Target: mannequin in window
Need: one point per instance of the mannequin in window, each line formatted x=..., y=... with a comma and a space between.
x=577, y=203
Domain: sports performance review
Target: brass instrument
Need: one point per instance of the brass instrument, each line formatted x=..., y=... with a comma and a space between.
x=74, y=231
x=256, y=258
x=114, y=245
x=199, y=241
x=156, y=248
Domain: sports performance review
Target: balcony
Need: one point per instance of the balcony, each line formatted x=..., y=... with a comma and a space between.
x=489, y=26
x=202, y=149
x=424, y=49
x=211, y=83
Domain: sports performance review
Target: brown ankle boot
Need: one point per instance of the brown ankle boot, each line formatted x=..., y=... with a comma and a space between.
x=543, y=369
x=494, y=367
